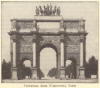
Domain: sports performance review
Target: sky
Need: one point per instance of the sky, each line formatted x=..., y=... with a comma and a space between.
x=70, y=10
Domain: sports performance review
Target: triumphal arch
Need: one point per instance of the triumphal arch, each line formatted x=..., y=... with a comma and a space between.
x=48, y=29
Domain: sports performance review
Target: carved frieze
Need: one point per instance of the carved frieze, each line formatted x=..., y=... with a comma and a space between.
x=26, y=49
x=26, y=44
x=25, y=25
x=72, y=24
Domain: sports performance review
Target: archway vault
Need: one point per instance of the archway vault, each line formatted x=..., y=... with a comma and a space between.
x=48, y=46
x=48, y=61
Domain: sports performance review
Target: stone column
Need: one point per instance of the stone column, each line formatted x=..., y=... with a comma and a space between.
x=34, y=68
x=62, y=54
x=82, y=73
x=62, y=70
x=14, y=68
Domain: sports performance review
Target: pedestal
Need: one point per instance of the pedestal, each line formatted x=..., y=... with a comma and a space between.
x=34, y=73
x=82, y=73
x=62, y=73
x=14, y=73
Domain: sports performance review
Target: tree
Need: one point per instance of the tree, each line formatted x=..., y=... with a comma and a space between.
x=93, y=65
x=40, y=73
x=91, y=68
x=6, y=70
x=52, y=72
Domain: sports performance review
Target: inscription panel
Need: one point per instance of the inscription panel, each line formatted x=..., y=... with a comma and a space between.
x=48, y=26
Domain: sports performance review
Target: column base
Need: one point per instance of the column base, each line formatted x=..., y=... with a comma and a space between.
x=14, y=73
x=34, y=73
x=82, y=73
x=62, y=73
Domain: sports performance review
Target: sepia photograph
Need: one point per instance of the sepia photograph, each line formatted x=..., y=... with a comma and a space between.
x=49, y=42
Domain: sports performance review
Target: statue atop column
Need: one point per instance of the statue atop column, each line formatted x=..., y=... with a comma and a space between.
x=48, y=10
x=58, y=11
x=54, y=10
x=37, y=11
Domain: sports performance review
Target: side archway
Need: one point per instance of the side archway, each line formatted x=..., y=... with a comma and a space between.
x=70, y=68
x=24, y=69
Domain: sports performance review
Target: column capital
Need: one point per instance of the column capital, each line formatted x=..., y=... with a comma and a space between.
x=62, y=37
x=34, y=37
x=82, y=38
x=62, y=40
x=14, y=38
x=62, y=25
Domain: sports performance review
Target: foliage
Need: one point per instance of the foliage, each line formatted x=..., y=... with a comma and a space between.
x=6, y=70
x=91, y=68
x=52, y=72
x=40, y=73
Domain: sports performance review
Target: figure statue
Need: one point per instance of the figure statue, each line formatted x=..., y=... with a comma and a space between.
x=54, y=11
x=34, y=24
x=37, y=11
x=41, y=10
x=58, y=11
x=44, y=11
x=47, y=10
x=50, y=9
x=13, y=24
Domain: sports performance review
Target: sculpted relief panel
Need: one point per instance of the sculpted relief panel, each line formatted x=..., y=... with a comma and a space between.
x=72, y=26
x=73, y=49
x=26, y=44
x=72, y=40
x=52, y=40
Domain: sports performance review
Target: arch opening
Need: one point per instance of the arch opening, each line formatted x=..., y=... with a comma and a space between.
x=70, y=68
x=24, y=69
x=48, y=62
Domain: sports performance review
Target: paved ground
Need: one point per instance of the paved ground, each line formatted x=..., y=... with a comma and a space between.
x=52, y=81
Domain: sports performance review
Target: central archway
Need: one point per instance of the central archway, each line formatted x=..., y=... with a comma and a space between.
x=48, y=62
